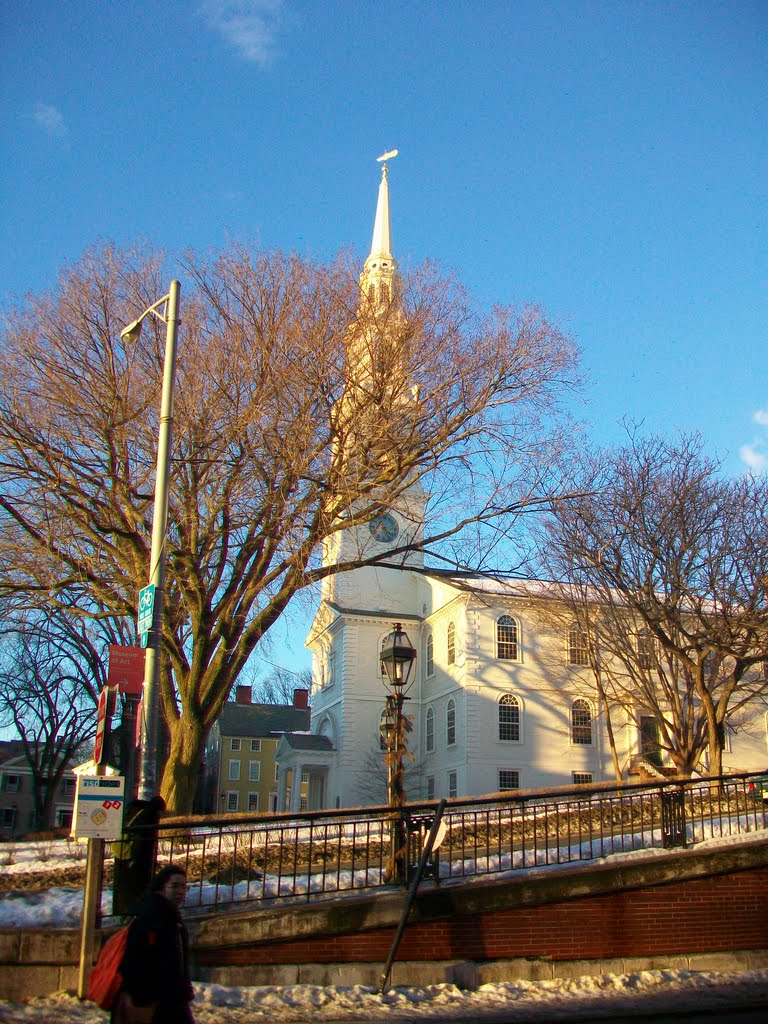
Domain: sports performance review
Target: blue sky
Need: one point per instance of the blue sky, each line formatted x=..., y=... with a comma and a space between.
x=606, y=159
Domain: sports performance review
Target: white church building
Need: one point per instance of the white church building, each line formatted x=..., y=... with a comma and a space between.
x=502, y=697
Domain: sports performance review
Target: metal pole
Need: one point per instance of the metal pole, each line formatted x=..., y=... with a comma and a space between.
x=425, y=855
x=151, y=693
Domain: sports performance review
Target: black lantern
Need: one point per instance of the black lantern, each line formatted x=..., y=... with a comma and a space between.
x=397, y=658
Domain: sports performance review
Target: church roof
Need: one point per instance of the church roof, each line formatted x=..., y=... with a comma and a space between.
x=261, y=720
x=304, y=741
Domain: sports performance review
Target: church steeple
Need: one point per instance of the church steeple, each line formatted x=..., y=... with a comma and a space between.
x=378, y=276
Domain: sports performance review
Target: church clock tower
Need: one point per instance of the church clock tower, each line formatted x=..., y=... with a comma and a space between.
x=377, y=588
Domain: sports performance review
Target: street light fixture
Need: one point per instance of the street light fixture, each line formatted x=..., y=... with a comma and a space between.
x=397, y=658
x=166, y=310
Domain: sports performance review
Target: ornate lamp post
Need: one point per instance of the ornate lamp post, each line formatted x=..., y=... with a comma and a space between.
x=397, y=659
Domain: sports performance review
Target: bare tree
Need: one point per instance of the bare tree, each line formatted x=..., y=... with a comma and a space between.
x=51, y=672
x=301, y=411
x=277, y=687
x=667, y=562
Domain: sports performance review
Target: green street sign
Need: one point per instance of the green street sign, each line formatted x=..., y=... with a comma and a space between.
x=146, y=609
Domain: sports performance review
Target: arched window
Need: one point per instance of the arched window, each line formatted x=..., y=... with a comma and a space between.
x=509, y=718
x=429, y=655
x=451, y=643
x=581, y=722
x=450, y=723
x=506, y=638
x=578, y=646
x=430, y=730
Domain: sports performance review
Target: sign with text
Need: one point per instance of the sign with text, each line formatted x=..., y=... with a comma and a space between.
x=126, y=669
x=146, y=608
x=99, y=803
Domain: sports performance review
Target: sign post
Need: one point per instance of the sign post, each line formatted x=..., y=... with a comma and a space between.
x=98, y=815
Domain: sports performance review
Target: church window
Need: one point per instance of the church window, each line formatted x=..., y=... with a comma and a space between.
x=578, y=646
x=430, y=787
x=582, y=778
x=371, y=293
x=646, y=653
x=508, y=779
x=506, y=638
x=581, y=722
x=429, y=655
x=450, y=723
x=430, y=730
x=453, y=784
x=451, y=643
x=384, y=294
x=509, y=718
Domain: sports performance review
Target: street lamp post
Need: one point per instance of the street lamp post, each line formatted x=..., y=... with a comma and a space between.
x=166, y=310
x=397, y=659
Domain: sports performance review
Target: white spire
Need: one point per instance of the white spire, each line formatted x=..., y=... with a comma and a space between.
x=379, y=272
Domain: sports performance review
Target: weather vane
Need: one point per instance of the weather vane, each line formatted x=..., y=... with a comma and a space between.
x=387, y=156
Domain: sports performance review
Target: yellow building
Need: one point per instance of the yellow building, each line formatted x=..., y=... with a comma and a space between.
x=240, y=770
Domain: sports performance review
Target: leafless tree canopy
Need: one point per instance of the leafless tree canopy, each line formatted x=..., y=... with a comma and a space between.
x=51, y=671
x=298, y=412
x=667, y=563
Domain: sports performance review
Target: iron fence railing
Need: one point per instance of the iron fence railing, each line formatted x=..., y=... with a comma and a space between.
x=262, y=859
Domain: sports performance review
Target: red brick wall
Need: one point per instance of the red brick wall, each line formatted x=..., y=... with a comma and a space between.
x=725, y=912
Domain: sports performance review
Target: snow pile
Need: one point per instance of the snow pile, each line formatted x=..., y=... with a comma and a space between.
x=608, y=996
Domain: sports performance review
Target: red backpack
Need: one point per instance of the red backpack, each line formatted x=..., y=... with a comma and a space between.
x=106, y=979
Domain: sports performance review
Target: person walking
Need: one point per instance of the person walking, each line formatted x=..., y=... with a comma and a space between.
x=156, y=986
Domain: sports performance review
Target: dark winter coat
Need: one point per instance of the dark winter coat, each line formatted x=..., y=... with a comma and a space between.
x=155, y=967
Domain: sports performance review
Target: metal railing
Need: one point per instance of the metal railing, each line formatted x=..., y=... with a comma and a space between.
x=263, y=859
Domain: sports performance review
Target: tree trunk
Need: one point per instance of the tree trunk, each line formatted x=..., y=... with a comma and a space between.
x=183, y=769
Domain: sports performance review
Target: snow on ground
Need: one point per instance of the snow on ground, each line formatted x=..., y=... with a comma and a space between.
x=609, y=997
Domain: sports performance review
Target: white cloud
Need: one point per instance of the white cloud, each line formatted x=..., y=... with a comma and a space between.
x=51, y=120
x=761, y=417
x=754, y=459
x=249, y=25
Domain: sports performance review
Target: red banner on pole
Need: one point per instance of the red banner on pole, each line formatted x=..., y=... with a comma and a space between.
x=126, y=669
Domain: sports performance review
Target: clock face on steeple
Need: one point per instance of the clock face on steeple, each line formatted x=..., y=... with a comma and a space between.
x=384, y=528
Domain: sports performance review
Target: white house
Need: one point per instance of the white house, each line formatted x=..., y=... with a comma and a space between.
x=502, y=699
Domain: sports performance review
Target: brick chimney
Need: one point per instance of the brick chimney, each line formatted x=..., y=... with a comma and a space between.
x=301, y=698
x=243, y=695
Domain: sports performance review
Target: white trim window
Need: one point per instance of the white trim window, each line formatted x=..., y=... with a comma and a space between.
x=233, y=771
x=233, y=800
x=508, y=779
x=253, y=801
x=429, y=655
x=507, y=638
x=450, y=723
x=453, y=784
x=581, y=722
x=509, y=718
x=234, y=743
x=578, y=645
x=429, y=730
x=255, y=746
x=450, y=641
x=254, y=771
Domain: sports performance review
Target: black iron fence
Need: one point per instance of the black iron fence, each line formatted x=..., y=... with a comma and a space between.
x=287, y=857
